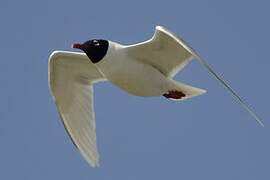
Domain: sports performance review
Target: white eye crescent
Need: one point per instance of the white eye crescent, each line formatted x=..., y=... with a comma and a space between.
x=95, y=43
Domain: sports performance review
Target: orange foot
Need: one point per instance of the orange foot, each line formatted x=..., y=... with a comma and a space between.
x=174, y=94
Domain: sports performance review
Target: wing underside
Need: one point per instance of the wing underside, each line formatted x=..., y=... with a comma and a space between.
x=71, y=76
x=164, y=51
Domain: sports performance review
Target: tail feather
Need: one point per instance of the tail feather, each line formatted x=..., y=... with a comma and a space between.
x=189, y=91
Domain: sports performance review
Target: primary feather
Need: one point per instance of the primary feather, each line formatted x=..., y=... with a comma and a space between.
x=70, y=78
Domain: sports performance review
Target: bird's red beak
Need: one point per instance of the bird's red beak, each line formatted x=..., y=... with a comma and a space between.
x=78, y=46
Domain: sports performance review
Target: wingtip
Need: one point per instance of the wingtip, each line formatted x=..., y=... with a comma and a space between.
x=94, y=165
x=260, y=122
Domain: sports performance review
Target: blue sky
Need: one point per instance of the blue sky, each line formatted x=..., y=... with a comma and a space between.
x=208, y=137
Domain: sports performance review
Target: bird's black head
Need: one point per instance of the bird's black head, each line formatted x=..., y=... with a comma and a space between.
x=95, y=49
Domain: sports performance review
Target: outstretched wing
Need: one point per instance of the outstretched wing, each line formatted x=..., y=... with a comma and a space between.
x=164, y=51
x=71, y=76
x=169, y=54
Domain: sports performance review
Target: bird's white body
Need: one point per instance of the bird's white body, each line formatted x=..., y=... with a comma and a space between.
x=145, y=69
x=131, y=75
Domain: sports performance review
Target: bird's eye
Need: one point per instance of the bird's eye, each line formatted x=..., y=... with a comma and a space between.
x=95, y=42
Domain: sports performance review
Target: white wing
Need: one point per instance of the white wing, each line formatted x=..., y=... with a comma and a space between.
x=169, y=54
x=203, y=62
x=164, y=51
x=70, y=79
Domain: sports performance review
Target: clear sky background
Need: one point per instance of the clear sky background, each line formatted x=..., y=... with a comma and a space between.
x=210, y=137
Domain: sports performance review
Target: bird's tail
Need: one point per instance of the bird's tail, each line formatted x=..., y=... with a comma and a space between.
x=187, y=90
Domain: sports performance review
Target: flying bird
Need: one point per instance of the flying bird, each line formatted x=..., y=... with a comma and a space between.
x=145, y=69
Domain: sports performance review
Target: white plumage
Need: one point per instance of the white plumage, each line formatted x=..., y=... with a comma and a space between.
x=145, y=69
